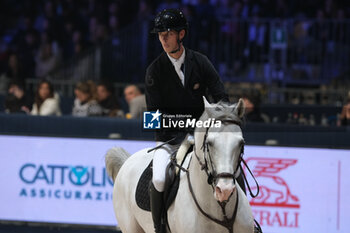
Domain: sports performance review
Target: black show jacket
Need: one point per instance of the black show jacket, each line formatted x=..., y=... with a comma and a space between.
x=164, y=90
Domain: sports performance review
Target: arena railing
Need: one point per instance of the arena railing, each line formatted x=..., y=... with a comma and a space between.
x=102, y=127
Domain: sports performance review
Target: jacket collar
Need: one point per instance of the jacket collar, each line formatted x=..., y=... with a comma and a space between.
x=188, y=65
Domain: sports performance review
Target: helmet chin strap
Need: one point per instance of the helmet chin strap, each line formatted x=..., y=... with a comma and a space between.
x=178, y=45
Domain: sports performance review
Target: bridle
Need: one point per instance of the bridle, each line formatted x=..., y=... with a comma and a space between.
x=212, y=175
x=208, y=165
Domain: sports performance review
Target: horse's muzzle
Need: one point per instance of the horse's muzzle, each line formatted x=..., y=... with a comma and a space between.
x=224, y=189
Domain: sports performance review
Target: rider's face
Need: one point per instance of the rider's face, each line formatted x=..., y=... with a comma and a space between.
x=169, y=40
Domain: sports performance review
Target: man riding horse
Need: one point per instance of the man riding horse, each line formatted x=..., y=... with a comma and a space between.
x=176, y=82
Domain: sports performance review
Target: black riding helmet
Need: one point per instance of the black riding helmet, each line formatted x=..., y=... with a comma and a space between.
x=170, y=19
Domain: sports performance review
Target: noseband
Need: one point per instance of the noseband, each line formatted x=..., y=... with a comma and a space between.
x=208, y=166
x=213, y=176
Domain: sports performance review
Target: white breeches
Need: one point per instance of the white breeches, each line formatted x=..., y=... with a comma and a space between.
x=161, y=159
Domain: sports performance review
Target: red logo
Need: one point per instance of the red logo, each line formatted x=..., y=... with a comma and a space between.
x=274, y=190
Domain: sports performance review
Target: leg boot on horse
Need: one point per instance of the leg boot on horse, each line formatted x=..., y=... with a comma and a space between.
x=157, y=208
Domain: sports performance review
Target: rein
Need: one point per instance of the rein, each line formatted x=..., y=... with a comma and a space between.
x=212, y=176
x=227, y=223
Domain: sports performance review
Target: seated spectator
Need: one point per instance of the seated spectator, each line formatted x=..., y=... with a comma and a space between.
x=85, y=103
x=345, y=114
x=252, y=109
x=136, y=101
x=13, y=71
x=16, y=100
x=107, y=100
x=46, y=61
x=47, y=102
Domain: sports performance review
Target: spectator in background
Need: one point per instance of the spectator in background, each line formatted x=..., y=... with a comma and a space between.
x=281, y=9
x=85, y=103
x=145, y=9
x=168, y=4
x=114, y=26
x=77, y=38
x=252, y=109
x=27, y=52
x=25, y=43
x=136, y=101
x=25, y=24
x=256, y=38
x=4, y=54
x=67, y=43
x=16, y=100
x=93, y=22
x=330, y=8
x=14, y=70
x=46, y=60
x=205, y=15
x=108, y=101
x=47, y=102
x=223, y=9
x=101, y=34
x=345, y=113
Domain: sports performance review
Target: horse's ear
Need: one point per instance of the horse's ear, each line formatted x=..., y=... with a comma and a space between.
x=240, y=108
x=206, y=103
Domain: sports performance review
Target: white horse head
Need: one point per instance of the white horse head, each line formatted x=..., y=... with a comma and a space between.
x=220, y=148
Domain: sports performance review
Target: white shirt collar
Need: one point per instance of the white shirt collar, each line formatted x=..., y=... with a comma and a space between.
x=178, y=61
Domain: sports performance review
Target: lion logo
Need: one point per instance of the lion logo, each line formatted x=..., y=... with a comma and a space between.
x=274, y=190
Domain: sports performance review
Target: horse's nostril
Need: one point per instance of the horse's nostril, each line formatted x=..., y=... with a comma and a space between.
x=218, y=190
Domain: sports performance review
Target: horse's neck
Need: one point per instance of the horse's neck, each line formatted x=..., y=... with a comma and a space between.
x=204, y=192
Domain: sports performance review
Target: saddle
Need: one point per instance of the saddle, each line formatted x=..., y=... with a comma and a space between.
x=172, y=180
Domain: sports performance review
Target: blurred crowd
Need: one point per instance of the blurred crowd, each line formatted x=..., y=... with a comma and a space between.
x=101, y=100
x=90, y=100
x=37, y=36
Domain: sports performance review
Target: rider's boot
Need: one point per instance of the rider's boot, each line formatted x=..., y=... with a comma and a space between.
x=157, y=208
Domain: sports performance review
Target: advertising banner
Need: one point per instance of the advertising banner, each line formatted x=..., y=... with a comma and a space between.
x=58, y=180
x=301, y=189
x=63, y=180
